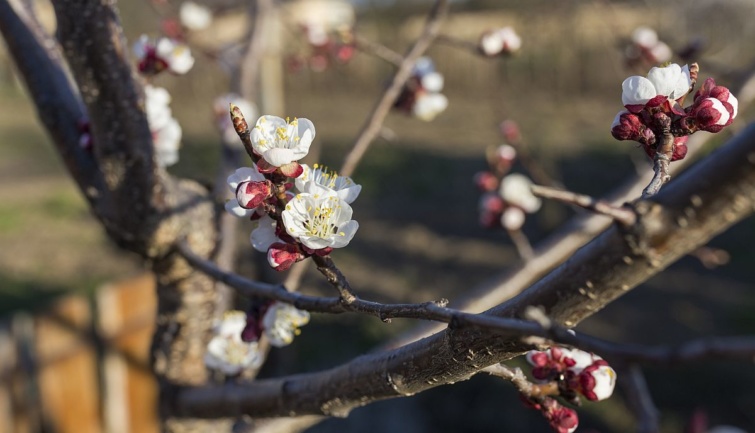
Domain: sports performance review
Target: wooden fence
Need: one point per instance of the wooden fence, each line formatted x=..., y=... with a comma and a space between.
x=82, y=366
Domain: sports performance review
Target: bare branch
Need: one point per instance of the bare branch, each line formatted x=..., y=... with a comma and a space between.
x=522, y=244
x=57, y=102
x=378, y=50
x=639, y=399
x=622, y=215
x=374, y=122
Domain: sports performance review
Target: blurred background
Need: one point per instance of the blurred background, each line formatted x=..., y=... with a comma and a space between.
x=75, y=312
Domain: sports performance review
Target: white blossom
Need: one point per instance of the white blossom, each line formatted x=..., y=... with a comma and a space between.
x=176, y=55
x=671, y=81
x=226, y=351
x=645, y=37
x=194, y=16
x=243, y=174
x=516, y=190
x=495, y=42
x=264, y=235
x=432, y=82
x=319, y=220
x=167, y=141
x=512, y=218
x=281, y=323
x=280, y=142
x=319, y=179
x=428, y=105
x=166, y=131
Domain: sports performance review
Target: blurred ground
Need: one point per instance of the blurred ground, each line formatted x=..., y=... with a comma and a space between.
x=418, y=236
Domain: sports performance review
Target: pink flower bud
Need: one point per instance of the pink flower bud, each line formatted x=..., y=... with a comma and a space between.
x=251, y=194
x=282, y=256
x=491, y=202
x=627, y=126
x=510, y=131
x=597, y=381
x=486, y=181
x=711, y=115
x=537, y=358
x=562, y=419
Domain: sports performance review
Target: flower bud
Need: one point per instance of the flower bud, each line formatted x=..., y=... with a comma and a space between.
x=627, y=126
x=251, y=194
x=562, y=419
x=512, y=218
x=491, y=202
x=597, y=381
x=711, y=115
x=510, y=131
x=282, y=256
x=486, y=181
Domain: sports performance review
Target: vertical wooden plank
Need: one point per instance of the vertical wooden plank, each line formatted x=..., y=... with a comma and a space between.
x=7, y=370
x=68, y=380
x=126, y=315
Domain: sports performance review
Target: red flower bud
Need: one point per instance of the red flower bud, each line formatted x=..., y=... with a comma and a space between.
x=486, y=181
x=251, y=194
x=627, y=126
x=282, y=256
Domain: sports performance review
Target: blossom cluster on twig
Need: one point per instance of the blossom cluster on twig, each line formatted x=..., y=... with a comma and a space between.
x=421, y=95
x=654, y=115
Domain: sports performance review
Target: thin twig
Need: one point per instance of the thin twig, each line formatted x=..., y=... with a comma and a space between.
x=522, y=244
x=374, y=122
x=335, y=277
x=639, y=399
x=623, y=215
x=378, y=50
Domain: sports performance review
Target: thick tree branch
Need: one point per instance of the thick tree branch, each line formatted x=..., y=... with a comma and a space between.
x=374, y=122
x=57, y=103
x=701, y=203
x=93, y=44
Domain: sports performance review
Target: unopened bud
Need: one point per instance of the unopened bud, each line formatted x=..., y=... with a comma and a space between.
x=627, y=126
x=251, y=194
x=282, y=256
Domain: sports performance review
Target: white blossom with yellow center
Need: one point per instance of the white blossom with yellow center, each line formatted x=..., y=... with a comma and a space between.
x=319, y=220
x=281, y=142
x=318, y=180
x=226, y=351
x=281, y=323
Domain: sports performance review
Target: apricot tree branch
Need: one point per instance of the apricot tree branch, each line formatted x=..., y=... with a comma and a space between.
x=623, y=215
x=707, y=199
x=374, y=122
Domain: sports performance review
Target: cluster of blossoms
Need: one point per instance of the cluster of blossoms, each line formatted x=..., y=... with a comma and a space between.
x=655, y=118
x=235, y=344
x=575, y=373
x=166, y=132
x=327, y=30
x=421, y=95
x=644, y=48
x=309, y=216
x=163, y=54
x=499, y=42
x=507, y=198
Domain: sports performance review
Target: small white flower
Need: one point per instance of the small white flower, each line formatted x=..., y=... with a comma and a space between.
x=671, y=81
x=264, y=235
x=167, y=141
x=226, y=351
x=194, y=16
x=282, y=322
x=280, y=142
x=506, y=152
x=319, y=220
x=319, y=179
x=176, y=55
x=512, y=218
x=317, y=34
x=429, y=105
x=605, y=382
x=495, y=42
x=661, y=52
x=157, y=107
x=223, y=119
x=432, y=82
x=243, y=174
x=645, y=37
x=516, y=190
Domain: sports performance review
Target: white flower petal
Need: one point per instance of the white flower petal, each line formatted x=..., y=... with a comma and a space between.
x=345, y=234
x=637, y=90
x=264, y=235
x=232, y=207
x=432, y=82
x=732, y=100
x=665, y=79
x=279, y=156
x=605, y=382
x=645, y=37
x=194, y=16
